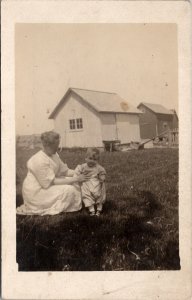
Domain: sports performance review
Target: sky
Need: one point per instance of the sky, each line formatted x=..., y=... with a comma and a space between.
x=137, y=61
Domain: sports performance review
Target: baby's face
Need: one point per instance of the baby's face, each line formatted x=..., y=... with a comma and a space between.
x=92, y=160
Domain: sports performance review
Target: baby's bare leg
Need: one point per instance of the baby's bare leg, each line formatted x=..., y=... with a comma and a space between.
x=99, y=207
x=87, y=198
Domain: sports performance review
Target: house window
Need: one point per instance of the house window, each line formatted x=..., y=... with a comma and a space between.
x=72, y=124
x=165, y=125
x=79, y=123
x=76, y=124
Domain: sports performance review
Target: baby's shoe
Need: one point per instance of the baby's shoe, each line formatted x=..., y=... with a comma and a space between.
x=98, y=212
x=91, y=213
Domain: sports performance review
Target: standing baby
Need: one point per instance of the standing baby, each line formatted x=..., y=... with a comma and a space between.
x=93, y=191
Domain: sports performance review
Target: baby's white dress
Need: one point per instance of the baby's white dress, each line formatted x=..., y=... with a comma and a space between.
x=40, y=196
x=93, y=191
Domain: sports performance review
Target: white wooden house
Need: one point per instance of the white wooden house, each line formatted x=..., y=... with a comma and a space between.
x=86, y=118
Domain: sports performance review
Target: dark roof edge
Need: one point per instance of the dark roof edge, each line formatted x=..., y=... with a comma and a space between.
x=120, y=112
x=146, y=106
x=157, y=113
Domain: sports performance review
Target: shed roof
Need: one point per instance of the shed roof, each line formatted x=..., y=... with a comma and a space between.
x=100, y=101
x=157, y=108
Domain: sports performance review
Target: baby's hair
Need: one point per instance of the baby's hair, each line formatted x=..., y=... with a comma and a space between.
x=93, y=152
x=49, y=137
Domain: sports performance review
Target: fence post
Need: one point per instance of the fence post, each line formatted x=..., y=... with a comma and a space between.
x=169, y=138
x=173, y=137
x=177, y=137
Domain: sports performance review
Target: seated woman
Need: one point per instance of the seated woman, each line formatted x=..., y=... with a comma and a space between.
x=49, y=187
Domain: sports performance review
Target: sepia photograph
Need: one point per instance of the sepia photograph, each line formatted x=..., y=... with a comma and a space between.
x=96, y=150
x=97, y=134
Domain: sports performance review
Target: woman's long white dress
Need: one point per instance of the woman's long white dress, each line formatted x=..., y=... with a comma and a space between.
x=40, y=196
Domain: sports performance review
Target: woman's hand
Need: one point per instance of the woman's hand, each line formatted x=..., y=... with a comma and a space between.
x=82, y=178
x=70, y=173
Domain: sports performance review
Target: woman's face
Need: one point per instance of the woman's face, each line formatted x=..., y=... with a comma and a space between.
x=52, y=148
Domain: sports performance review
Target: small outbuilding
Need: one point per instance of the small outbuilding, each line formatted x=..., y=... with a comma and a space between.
x=86, y=118
x=156, y=119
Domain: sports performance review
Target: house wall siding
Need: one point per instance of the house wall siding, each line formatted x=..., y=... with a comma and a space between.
x=148, y=123
x=90, y=135
x=165, y=122
x=109, y=128
x=128, y=128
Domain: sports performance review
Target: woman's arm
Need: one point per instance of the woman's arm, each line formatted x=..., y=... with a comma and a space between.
x=69, y=173
x=64, y=180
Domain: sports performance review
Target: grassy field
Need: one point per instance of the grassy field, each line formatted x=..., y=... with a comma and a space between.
x=137, y=231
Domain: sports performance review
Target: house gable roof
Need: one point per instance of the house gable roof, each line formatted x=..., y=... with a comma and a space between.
x=157, y=108
x=100, y=101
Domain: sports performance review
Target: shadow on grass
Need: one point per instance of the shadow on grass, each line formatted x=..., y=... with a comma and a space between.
x=78, y=242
